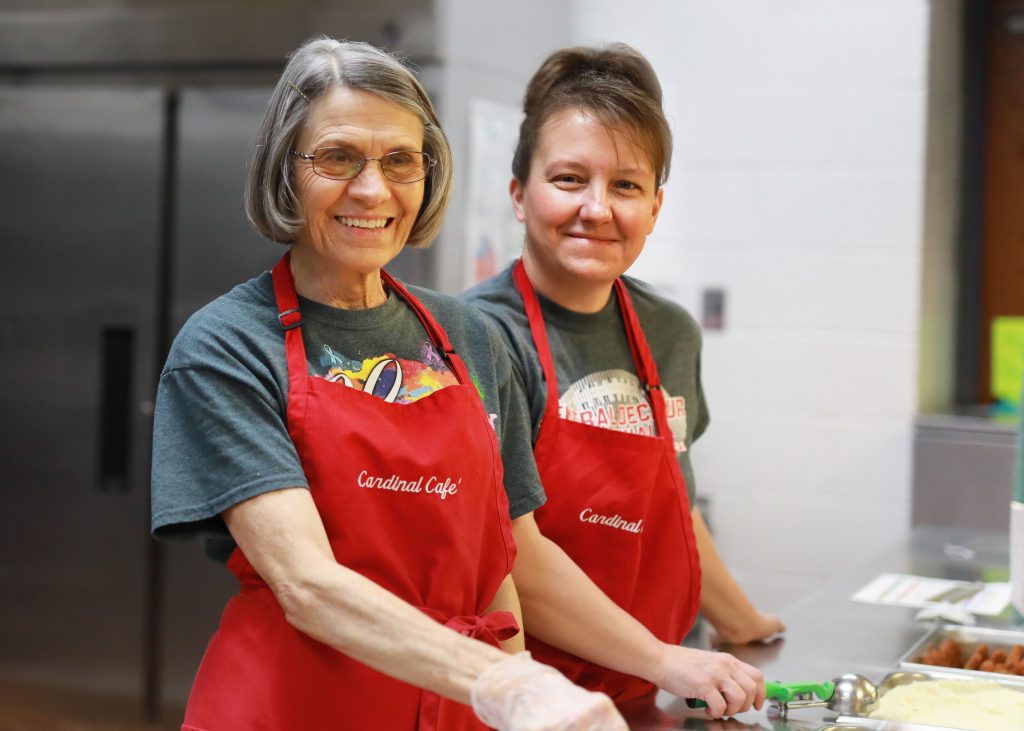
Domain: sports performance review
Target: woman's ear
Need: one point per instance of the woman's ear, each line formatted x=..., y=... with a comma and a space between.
x=656, y=209
x=515, y=191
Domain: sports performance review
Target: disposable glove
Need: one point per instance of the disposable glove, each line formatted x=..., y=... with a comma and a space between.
x=520, y=694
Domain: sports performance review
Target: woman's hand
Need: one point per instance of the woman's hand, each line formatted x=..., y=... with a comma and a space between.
x=757, y=627
x=520, y=694
x=722, y=602
x=726, y=684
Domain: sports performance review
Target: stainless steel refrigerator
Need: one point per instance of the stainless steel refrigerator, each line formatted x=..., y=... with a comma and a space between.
x=120, y=214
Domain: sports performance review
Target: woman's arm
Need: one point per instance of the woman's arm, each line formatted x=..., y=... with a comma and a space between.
x=722, y=601
x=283, y=537
x=507, y=600
x=564, y=608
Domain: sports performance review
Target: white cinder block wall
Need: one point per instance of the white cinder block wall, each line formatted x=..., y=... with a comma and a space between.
x=488, y=51
x=797, y=187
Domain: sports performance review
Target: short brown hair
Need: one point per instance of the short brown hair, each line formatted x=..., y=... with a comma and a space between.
x=615, y=83
x=315, y=67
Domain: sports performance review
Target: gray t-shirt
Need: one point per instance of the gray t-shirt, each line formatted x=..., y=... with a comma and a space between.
x=220, y=433
x=597, y=381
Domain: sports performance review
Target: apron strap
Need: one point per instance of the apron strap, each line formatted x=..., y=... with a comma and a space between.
x=540, y=339
x=437, y=333
x=491, y=627
x=646, y=368
x=291, y=321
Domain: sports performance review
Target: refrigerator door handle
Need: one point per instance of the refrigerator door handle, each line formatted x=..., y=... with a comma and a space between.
x=117, y=350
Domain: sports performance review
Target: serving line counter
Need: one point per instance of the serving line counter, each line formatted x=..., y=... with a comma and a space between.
x=828, y=634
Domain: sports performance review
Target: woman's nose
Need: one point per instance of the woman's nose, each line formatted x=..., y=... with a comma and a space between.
x=370, y=185
x=595, y=206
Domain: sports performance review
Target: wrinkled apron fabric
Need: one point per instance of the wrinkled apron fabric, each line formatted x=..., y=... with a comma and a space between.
x=617, y=505
x=439, y=538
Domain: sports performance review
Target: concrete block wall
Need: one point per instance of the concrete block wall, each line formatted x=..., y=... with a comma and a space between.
x=488, y=51
x=797, y=188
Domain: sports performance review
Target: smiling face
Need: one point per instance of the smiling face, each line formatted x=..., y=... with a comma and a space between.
x=589, y=203
x=357, y=225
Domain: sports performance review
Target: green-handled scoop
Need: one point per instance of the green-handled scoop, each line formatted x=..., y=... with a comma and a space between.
x=785, y=693
x=848, y=695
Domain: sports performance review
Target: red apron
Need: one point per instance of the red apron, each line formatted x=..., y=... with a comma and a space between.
x=617, y=504
x=441, y=540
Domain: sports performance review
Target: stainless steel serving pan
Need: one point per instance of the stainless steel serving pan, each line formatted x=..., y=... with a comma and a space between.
x=968, y=639
x=863, y=724
x=920, y=673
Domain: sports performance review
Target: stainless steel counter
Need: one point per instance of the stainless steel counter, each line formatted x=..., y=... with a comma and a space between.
x=828, y=634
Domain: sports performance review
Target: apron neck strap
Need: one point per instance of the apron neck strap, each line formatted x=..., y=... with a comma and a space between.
x=437, y=334
x=646, y=369
x=291, y=320
x=540, y=335
x=284, y=293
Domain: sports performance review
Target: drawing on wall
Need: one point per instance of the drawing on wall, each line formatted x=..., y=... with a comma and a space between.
x=493, y=235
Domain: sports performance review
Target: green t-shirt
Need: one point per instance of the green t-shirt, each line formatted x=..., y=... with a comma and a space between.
x=597, y=381
x=220, y=433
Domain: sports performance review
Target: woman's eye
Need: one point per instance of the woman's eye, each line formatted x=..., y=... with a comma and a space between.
x=566, y=179
x=628, y=185
x=336, y=156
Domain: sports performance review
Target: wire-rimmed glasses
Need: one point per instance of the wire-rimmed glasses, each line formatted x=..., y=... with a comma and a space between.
x=341, y=163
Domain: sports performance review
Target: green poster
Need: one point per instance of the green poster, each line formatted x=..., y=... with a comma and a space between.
x=1008, y=359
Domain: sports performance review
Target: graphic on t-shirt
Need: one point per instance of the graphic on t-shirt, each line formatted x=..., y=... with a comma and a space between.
x=396, y=380
x=613, y=399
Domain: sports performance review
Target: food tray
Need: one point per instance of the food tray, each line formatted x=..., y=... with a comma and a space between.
x=921, y=673
x=967, y=639
x=853, y=723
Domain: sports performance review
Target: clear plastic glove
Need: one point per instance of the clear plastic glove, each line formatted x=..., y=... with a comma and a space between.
x=728, y=685
x=520, y=694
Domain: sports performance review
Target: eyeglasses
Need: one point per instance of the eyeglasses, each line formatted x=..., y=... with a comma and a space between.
x=340, y=163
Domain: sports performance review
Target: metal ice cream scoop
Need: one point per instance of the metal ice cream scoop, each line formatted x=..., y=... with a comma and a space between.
x=848, y=695
x=855, y=695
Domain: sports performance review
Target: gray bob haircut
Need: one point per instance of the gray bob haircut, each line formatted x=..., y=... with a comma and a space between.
x=317, y=66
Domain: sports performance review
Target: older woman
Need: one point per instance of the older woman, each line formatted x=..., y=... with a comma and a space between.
x=612, y=376
x=336, y=439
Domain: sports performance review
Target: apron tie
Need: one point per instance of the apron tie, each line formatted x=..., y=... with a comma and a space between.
x=491, y=627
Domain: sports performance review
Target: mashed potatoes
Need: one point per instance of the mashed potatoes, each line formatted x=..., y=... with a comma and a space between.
x=978, y=705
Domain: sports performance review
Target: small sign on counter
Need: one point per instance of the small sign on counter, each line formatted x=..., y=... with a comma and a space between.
x=905, y=590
